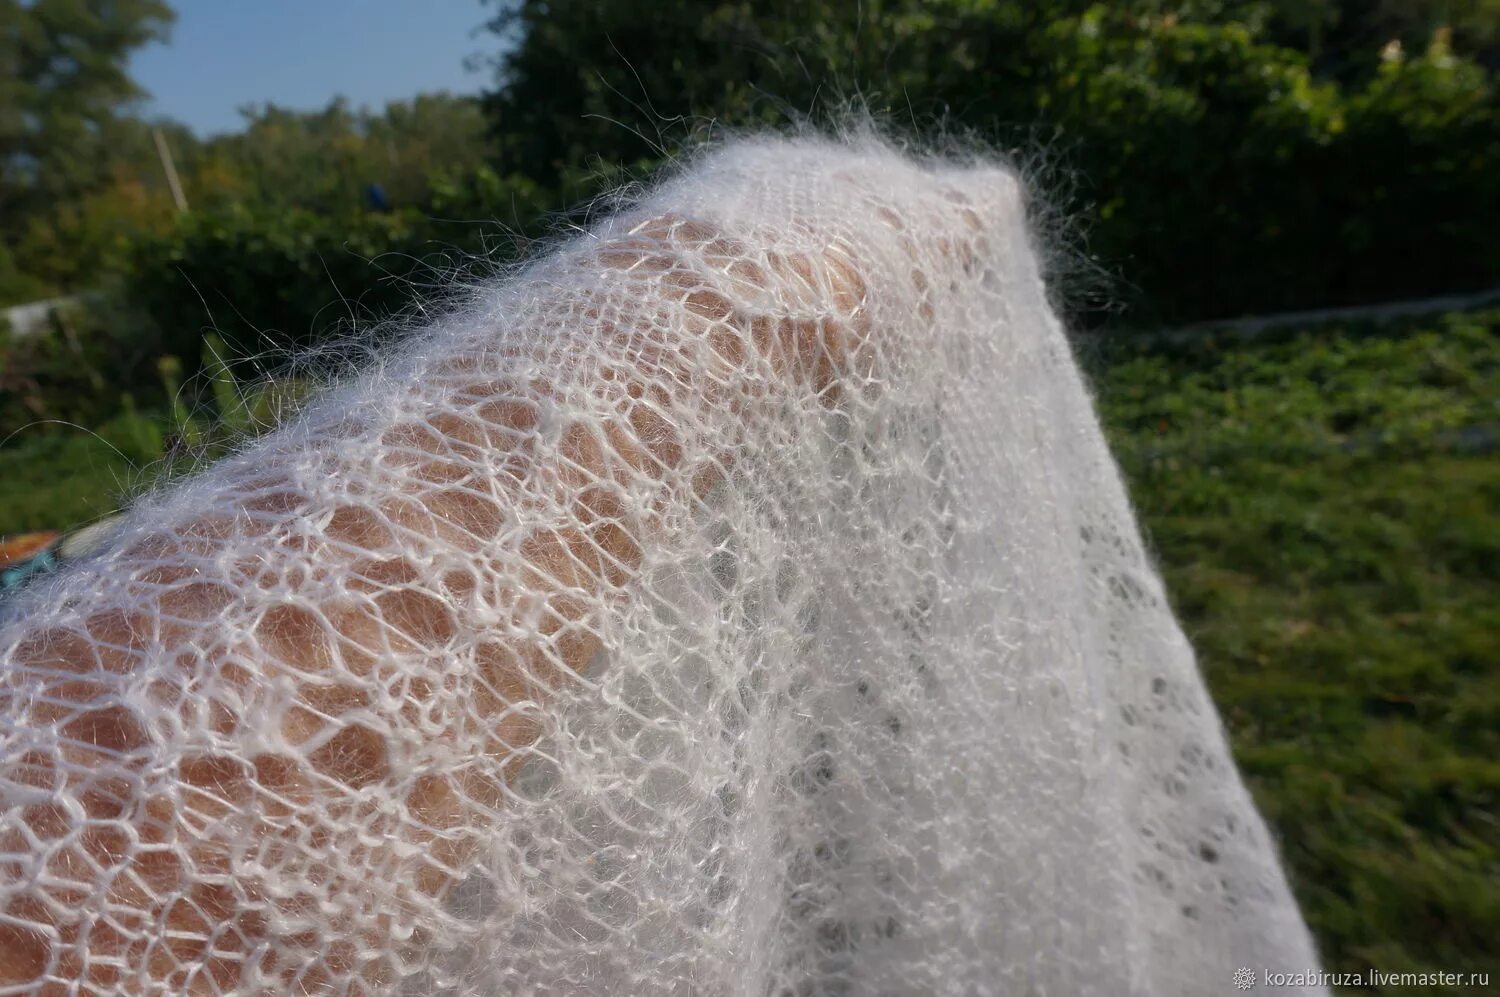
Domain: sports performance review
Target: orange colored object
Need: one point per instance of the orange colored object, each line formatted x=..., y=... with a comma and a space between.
x=18, y=548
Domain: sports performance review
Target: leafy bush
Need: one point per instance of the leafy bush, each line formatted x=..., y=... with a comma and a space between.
x=1420, y=175
x=270, y=281
x=232, y=293
x=97, y=353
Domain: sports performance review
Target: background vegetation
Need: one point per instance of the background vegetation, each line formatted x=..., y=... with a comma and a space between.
x=1325, y=501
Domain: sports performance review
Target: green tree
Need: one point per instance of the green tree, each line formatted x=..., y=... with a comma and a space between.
x=63, y=86
x=83, y=238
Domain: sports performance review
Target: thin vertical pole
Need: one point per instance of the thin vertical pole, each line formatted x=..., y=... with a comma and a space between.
x=170, y=169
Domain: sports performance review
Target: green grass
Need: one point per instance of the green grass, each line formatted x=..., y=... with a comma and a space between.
x=1325, y=506
x=54, y=477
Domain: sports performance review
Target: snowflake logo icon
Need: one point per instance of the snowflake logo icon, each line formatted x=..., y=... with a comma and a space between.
x=1244, y=978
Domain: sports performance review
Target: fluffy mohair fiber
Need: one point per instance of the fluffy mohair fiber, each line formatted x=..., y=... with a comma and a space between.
x=739, y=599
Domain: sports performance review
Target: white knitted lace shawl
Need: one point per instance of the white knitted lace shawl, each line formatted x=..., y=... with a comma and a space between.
x=738, y=600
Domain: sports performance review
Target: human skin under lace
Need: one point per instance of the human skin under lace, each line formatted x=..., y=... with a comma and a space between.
x=263, y=743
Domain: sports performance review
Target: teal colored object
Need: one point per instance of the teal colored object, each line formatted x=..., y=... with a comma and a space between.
x=19, y=574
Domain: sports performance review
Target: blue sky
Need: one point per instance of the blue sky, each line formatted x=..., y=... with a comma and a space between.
x=301, y=53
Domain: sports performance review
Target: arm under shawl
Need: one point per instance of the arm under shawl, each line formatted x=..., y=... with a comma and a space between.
x=254, y=746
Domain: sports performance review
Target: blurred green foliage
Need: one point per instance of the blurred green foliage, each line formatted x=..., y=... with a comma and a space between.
x=270, y=282
x=1222, y=157
x=70, y=479
x=63, y=87
x=79, y=369
x=1218, y=156
x=287, y=173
